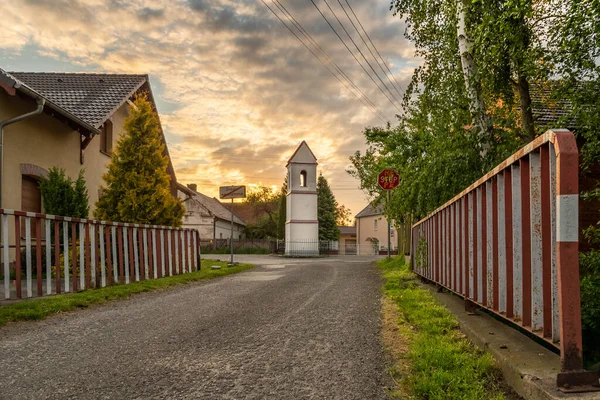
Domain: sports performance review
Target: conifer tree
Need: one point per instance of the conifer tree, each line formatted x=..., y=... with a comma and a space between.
x=282, y=210
x=137, y=183
x=63, y=196
x=326, y=211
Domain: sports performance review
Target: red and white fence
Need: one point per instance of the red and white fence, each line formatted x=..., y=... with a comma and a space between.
x=72, y=254
x=509, y=243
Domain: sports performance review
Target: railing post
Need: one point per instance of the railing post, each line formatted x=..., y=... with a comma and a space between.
x=567, y=258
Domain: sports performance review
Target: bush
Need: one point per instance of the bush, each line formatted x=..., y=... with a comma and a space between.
x=590, y=299
x=63, y=196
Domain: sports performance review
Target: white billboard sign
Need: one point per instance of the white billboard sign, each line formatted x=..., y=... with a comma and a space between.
x=232, y=192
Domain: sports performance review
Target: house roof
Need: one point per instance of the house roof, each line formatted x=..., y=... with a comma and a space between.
x=347, y=230
x=91, y=98
x=370, y=210
x=302, y=145
x=246, y=211
x=212, y=205
x=547, y=110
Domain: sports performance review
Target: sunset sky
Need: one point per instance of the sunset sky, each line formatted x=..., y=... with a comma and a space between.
x=236, y=91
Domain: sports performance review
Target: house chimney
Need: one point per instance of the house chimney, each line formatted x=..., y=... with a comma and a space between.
x=193, y=186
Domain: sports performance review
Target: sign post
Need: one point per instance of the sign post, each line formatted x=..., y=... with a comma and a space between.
x=232, y=192
x=388, y=179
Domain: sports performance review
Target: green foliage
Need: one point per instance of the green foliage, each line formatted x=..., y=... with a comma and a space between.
x=137, y=182
x=589, y=264
x=326, y=211
x=265, y=205
x=444, y=365
x=61, y=196
x=264, y=228
x=282, y=212
x=343, y=216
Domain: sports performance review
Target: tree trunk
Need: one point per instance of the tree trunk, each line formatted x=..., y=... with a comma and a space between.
x=526, y=111
x=481, y=121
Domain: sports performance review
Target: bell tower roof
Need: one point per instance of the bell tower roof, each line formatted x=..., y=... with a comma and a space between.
x=303, y=155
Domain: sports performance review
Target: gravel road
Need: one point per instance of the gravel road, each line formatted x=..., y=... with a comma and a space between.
x=287, y=330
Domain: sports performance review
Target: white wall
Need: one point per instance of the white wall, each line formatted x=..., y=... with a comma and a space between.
x=223, y=230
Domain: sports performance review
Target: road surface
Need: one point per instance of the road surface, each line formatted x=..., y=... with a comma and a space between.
x=291, y=329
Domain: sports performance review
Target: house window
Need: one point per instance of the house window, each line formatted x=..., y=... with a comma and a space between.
x=106, y=137
x=303, y=178
x=375, y=225
x=31, y=200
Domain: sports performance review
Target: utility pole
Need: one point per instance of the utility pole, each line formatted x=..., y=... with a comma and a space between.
x=389, y=221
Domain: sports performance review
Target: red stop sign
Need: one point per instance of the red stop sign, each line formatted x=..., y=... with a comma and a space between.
x=388, y=179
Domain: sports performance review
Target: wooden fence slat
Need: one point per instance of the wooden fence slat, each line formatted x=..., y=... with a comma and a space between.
x=115, y=254
x=136, y=259
x=38, y=256
x=57, y=256
x=109, y=256
x=120, y=249
x=142, y=265
x=18, y=257
x=126, y=252
x=48, y=257
x=101, y=234
x=6, y=257
x=28, y=274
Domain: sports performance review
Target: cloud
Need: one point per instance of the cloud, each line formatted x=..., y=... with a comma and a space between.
x=242, y=91
x=148, y=13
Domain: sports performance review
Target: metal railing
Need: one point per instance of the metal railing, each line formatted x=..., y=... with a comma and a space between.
x=72, y=254
x=307, y=248
x=509, y=243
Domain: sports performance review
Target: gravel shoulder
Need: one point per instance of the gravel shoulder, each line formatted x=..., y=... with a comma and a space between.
x=285, y=330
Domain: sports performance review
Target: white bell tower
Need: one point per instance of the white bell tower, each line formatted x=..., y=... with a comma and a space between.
x=302, y=226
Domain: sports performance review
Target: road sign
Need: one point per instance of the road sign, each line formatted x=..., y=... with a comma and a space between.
x=232, y=192
x=388, y=179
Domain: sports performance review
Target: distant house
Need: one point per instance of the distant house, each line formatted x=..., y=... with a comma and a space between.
x=347, y=240
x=372, y=232
x=82, y=119
x=208, y=215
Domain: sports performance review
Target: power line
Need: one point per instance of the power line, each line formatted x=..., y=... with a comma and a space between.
x=352, y=53
x=326, y=66
x=314, y=42
x=367, y=46
x=359, y=50
x=372, y=44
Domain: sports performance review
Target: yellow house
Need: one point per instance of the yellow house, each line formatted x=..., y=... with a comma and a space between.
x=77, y=120
x=372, y=231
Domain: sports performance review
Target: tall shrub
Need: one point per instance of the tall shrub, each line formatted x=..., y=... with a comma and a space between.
x=137, y=183
x=327, y=212
x=63, y=196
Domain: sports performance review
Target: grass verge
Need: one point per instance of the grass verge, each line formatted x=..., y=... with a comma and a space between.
x=41, y=308
x=442, y=363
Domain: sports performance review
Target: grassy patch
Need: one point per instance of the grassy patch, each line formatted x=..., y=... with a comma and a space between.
x=443, y=363
x=41, y=308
